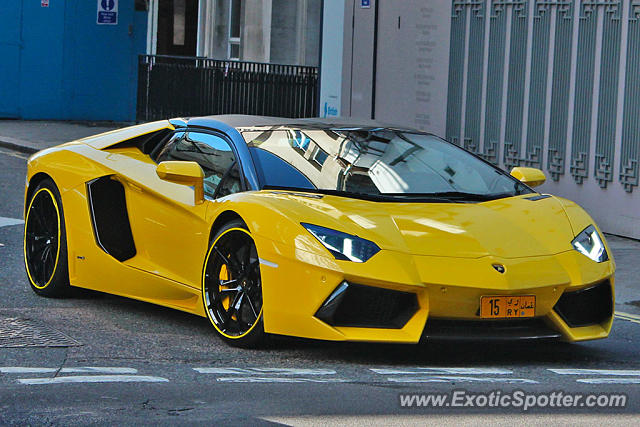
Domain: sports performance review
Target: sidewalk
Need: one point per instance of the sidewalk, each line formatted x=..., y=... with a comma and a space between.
x=30, y=136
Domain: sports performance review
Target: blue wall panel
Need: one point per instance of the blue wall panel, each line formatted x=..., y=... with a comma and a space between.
x=516, y=83
x=41, y=60
x=538, y=85
x=101, y=70
x=70, y=67
x=608, y=94
x=474, y=77
x=456, y=68
x=10, y=65
x=561, y=86
x=493, y=108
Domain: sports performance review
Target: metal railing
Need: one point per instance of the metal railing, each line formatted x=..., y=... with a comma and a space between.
x=170, y=86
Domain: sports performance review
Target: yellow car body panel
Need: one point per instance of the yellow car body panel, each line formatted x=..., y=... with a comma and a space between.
x=447, y=287
x=108, y=139
x=442, y=252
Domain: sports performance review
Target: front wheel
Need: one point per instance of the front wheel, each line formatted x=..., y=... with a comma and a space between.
x=232, y=287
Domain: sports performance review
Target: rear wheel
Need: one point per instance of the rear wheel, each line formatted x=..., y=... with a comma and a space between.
x=45, y=243
x=232, y=286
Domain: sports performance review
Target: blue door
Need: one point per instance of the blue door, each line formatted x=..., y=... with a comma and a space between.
x=59, y=62
x=100, y=74
x=10, y=11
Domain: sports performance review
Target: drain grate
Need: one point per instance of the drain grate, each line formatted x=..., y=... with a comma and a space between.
x=16, y=332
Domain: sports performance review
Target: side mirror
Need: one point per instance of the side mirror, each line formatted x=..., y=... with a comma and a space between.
x=530, y=176
x=185, y=173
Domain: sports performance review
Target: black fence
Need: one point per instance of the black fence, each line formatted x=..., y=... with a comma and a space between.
x=187, y=87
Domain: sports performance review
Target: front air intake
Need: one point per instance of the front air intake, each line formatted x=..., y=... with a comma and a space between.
x=589, y=306
x=368, y=307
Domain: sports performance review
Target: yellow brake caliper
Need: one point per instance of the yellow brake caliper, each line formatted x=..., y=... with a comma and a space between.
x=224, y=275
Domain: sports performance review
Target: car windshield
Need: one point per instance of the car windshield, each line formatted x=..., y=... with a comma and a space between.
x=375, y=163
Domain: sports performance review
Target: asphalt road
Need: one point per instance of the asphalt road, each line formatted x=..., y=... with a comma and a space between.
x=119, y=361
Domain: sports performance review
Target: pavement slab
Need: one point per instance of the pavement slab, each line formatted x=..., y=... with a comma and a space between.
x=30, y=136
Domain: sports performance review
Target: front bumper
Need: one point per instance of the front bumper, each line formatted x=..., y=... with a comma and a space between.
x=297, y=283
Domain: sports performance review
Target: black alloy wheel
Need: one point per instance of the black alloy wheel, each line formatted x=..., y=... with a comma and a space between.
x=232, y=286
x=45, y=248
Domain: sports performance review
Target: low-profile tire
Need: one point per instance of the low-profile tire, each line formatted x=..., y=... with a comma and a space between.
x=45, y=242
x=232, y=287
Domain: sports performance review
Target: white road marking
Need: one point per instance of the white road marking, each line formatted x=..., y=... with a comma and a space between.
x=24, y=370
x=100, y=369
x=14, y=154
x=274, y=375
x=253, y=371
x=628, y=317
x=279, y=380
x=446, y=379
x=268, y=263
x=609, y=380
x=442, y=371
x=6, y=222
x=617, y=372
x=93, y=379
x=615, y=376
x=82, y=369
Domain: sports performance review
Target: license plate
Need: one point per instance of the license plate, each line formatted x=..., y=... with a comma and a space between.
x=496, y=307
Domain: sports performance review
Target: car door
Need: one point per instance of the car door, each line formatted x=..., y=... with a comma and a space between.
x=170, y=230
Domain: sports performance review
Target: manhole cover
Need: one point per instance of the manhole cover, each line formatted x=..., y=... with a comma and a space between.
x=15, y=332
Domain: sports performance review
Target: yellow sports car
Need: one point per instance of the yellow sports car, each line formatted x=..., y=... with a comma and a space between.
x=315, y=228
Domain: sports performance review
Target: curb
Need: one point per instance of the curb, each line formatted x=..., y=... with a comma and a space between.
x=18, y=147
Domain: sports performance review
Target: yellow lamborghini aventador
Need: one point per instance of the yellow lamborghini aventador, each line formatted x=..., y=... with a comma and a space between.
x=315, y=228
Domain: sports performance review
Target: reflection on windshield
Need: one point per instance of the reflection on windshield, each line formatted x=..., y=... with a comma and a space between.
x=382, y=162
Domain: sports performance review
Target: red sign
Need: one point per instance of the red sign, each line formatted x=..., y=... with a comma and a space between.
x=44, y=3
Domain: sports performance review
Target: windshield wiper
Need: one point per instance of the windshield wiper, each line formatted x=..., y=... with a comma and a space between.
x=460, y=195
x=389, y=197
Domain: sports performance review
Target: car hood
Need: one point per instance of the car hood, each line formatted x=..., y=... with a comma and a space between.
x=513, y=227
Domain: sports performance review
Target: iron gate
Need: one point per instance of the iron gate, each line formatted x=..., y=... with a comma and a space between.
x=184, y=87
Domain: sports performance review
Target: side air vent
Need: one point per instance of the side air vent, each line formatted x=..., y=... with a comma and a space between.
x=368, y=307
x=108, y=207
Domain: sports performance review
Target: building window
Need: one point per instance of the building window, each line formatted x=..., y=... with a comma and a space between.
x=320, y=156
x=234, y=29
x=299, y=141
x=179, y=9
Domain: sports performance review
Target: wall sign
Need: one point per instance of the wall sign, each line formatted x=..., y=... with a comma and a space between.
x=331, y=76
x=107, y=12
x=44, y=3
x=365, y=4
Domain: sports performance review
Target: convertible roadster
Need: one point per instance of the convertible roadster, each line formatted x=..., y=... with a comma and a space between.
x=315, y=228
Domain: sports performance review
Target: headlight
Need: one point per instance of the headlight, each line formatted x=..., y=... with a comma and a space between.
x=590, y=244
x=343, y=246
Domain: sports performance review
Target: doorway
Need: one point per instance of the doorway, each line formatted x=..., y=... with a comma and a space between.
x=177, y=27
